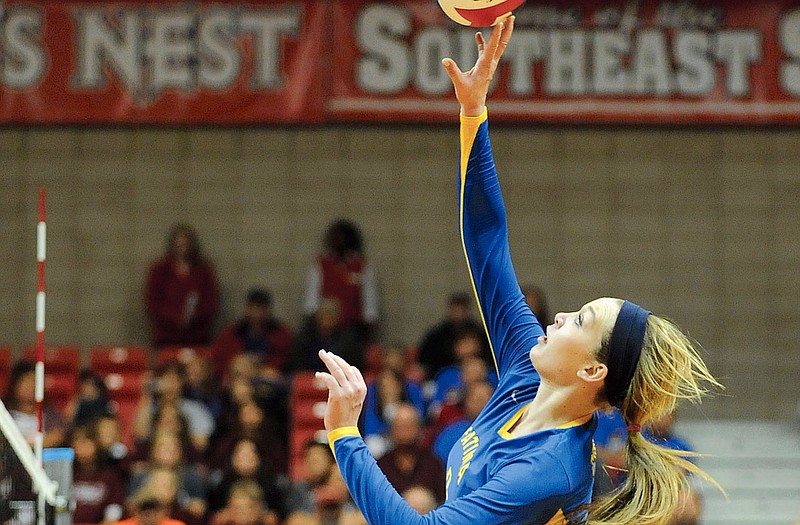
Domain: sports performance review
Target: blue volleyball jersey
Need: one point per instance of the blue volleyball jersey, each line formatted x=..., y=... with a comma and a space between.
x=492, y=478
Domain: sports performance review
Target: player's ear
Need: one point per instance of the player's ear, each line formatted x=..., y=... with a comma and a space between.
x=593, y=372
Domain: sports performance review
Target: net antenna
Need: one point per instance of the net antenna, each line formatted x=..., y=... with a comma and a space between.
x=41, y=252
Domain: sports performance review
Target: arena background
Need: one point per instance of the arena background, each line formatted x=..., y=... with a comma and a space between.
x=699, y=224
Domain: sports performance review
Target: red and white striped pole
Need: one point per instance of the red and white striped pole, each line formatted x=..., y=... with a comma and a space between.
x=41, y=249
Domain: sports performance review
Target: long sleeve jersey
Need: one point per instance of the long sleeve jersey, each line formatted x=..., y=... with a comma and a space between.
x=542, y=478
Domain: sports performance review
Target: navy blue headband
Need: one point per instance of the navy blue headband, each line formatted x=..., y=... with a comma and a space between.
x=624, y=350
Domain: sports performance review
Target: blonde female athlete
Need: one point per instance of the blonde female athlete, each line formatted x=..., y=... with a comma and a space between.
x=528, y=458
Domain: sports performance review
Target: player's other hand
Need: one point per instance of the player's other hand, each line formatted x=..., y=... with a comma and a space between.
x=472, y=86
x=346, y=391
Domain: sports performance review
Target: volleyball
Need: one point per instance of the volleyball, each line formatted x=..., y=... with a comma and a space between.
x=479, y=13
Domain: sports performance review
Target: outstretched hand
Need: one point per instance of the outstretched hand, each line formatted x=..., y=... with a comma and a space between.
x=472, y=86
x=346, y=391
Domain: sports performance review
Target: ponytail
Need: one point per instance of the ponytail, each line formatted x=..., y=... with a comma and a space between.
x=670, y=368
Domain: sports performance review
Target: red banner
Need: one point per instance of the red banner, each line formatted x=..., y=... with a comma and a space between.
x=592, y=61
x=225, y=62
x=161, y=62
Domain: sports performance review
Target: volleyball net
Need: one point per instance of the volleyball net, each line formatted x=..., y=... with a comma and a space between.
x=29, y=492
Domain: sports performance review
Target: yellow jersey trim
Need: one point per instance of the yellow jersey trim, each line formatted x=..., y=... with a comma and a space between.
x=558, y=518
x=505, y=430
x=469, y=129
x=339, y=433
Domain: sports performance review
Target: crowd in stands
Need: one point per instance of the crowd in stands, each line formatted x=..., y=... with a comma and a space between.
x=209, y=437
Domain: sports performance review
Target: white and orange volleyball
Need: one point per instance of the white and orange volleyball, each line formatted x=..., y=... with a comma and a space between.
x=479, y=13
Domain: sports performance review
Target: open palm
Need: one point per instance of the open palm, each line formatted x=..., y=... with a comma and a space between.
x=472, y=86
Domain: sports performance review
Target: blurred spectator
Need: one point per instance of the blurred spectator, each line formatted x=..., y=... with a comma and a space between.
x=408, y=463
x=257, y=333
x=168, y=389
x=90, y=402
x=255, y=424
x=181, y=292
x=202, y=385
x=436, y=348
x=167, y=419
x=98, y=489
x=111, y=448
x=149, y=510
x=395, y=357
x=245, y=506
x=342, y=273
x=245, y=384
x=319, y=467
x=384, y=395
x=163, y=486
x=420, y=499
x=537, y=301
x=610, y=438
x=332, y=506
x=325, y=331
x=476, y=397
x=247, y=464
x=468, y=367
x=661, y=432
x=167, y=454
x=21, y=403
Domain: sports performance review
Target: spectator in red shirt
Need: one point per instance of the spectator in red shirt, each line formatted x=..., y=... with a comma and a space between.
x=342, y=273
x=97, y=488
x=258, y=333
x=181, y=294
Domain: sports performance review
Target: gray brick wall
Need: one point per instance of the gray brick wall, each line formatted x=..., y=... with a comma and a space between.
x=700, y=225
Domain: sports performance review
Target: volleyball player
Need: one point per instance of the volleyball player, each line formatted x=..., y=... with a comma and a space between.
x=528, y=458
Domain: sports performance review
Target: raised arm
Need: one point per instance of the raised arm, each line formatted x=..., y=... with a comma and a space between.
x=511, y=326
x=502, y=500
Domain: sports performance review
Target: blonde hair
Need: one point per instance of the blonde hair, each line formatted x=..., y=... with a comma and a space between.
x=670, y=368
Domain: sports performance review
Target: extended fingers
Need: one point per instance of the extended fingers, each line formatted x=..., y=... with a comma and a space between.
x=334, y=368
x=346, y=367
x=452, y=69
x=506, y=34
x=501, y=34
x=329, y=381
x=481, y=43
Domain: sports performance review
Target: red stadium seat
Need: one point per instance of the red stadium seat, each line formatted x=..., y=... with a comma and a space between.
x=181, y=354
x=6, y=362
x=307, y=412
x=126, y=385
x=57, y=358
x=59, y=388
x=106, y=359
x=307, y=405
x=305, y=385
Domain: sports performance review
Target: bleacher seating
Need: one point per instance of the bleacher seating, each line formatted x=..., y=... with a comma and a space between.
x=59, y=388
x=181, y=354
x=60, y=359
x=120, y=359
x=125, y=391
x=756, y=462
x=307, y=408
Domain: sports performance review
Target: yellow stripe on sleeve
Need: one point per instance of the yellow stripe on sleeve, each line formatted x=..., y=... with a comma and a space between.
x=469, y=129
x=339, y=433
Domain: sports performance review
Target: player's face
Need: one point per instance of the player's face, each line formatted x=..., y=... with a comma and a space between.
x=572, y=341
